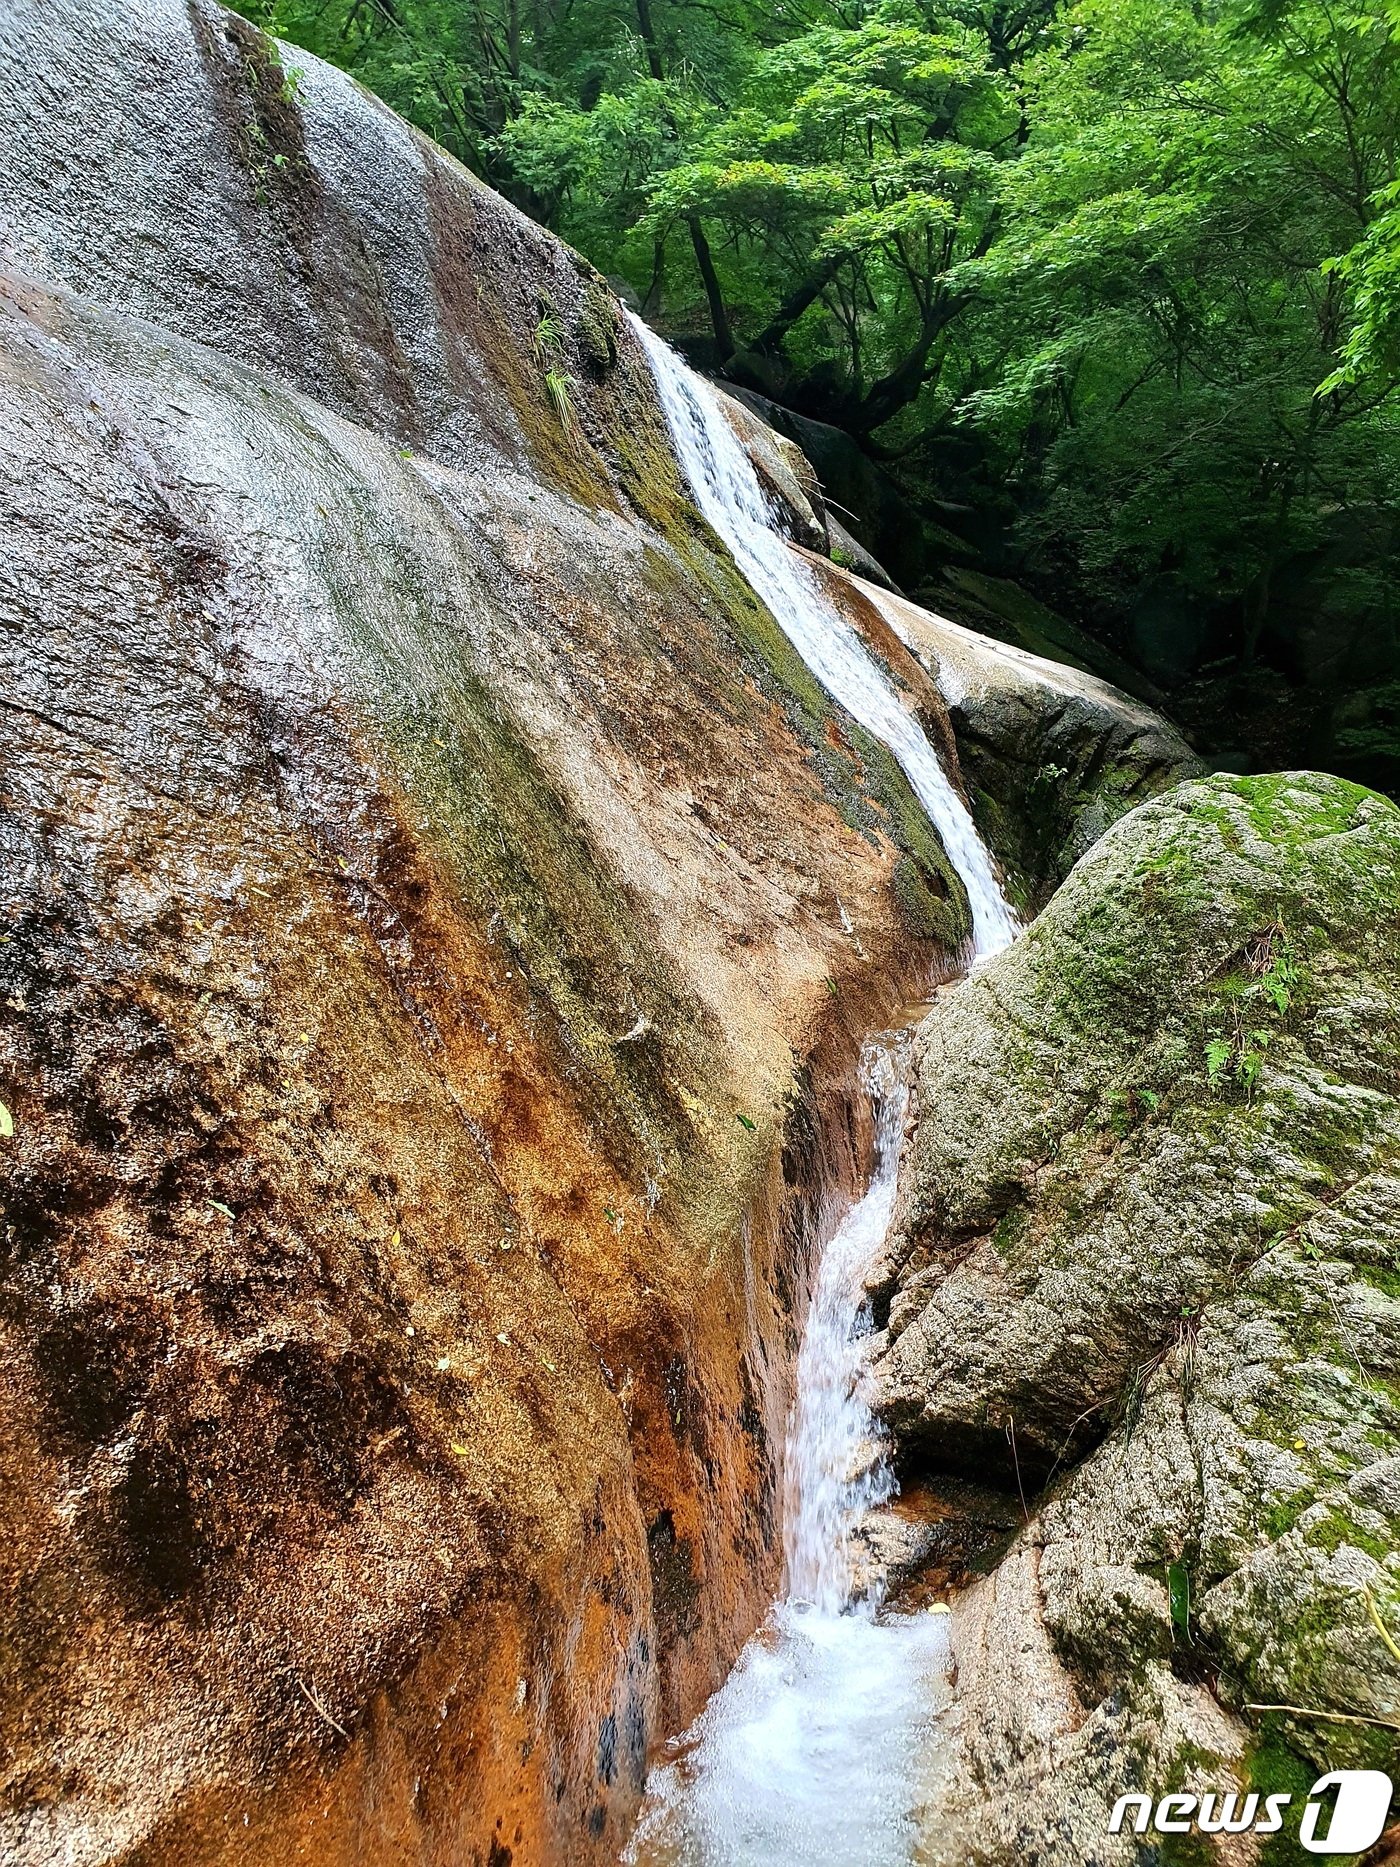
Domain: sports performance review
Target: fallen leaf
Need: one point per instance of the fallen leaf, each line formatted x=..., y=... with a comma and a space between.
x=7, y=1123
x=503, y=1338
x=395, y=1239
x=744, y=1122
x=463, y=1452
x=219, y=1206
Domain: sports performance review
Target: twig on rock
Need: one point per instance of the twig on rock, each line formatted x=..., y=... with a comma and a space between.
x=319, y=1708
x=1333, y=1717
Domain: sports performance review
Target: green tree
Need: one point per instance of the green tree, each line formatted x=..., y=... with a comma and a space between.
x=1123, y=275
x=1160, y=306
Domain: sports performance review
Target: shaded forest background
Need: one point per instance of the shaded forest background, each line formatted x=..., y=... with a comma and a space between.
x=1088, y=310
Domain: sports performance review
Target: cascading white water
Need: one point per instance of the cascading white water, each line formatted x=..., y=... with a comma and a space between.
x=811, y=1751
x=836, y=1468
x=727, y=490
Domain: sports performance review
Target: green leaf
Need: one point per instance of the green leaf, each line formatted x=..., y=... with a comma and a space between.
x=1179, y=1594
x=873, y=226
x=1218, y=1053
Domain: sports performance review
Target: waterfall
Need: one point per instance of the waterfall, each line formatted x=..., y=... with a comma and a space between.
x=727, y=491
x=814, y=1748
x=836, y=1468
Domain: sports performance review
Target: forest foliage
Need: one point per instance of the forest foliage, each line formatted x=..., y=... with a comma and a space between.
x=1125, y=273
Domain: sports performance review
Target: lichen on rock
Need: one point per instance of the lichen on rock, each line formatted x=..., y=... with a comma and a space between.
x=1143, y=1271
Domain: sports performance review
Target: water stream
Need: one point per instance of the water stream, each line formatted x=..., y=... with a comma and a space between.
x=814, y=1748
x=727, y=491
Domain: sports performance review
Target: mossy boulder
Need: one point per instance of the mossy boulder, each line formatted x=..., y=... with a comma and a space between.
x=1144, y=1270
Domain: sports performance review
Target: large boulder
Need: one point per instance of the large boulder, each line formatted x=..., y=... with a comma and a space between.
x=1145, y=1272
x=1049, y=754
x=439, y=914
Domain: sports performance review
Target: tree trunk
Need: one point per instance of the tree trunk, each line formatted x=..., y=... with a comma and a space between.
x=719, y=317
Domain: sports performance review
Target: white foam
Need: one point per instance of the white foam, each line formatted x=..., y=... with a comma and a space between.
x=727, y=490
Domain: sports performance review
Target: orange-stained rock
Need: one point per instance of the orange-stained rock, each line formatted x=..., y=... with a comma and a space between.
x=438, y=919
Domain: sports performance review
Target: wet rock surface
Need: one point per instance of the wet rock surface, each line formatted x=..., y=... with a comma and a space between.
x=929, y=1541
x=1051, y=755
x=439, y=916
x=882, y=521
x=1144, y=1269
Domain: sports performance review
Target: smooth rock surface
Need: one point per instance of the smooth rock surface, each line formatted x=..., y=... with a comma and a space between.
x=439, y=916
x=1052, y=755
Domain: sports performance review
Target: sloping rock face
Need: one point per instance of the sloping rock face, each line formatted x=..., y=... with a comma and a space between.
x=1148, y=1250
x=788, y=478
x=438, y=918
x=1051, y=756
x=883, y=522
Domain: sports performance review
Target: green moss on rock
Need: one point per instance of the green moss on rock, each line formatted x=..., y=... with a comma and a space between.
x=1191, y=1323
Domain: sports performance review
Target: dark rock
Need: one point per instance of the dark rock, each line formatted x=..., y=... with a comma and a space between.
x=865, y=498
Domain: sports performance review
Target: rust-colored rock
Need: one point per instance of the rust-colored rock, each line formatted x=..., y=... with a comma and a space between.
x=438, y=916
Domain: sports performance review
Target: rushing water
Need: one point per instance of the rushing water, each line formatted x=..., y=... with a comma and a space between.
x=836, y=1464
x=811, y=1751
x=727, y=490
x=814, y=1749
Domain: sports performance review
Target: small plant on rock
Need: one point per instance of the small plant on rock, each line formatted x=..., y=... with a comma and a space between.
x=548, y=346
x=1263, y=985
x=549, y=334
x=558, y=386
